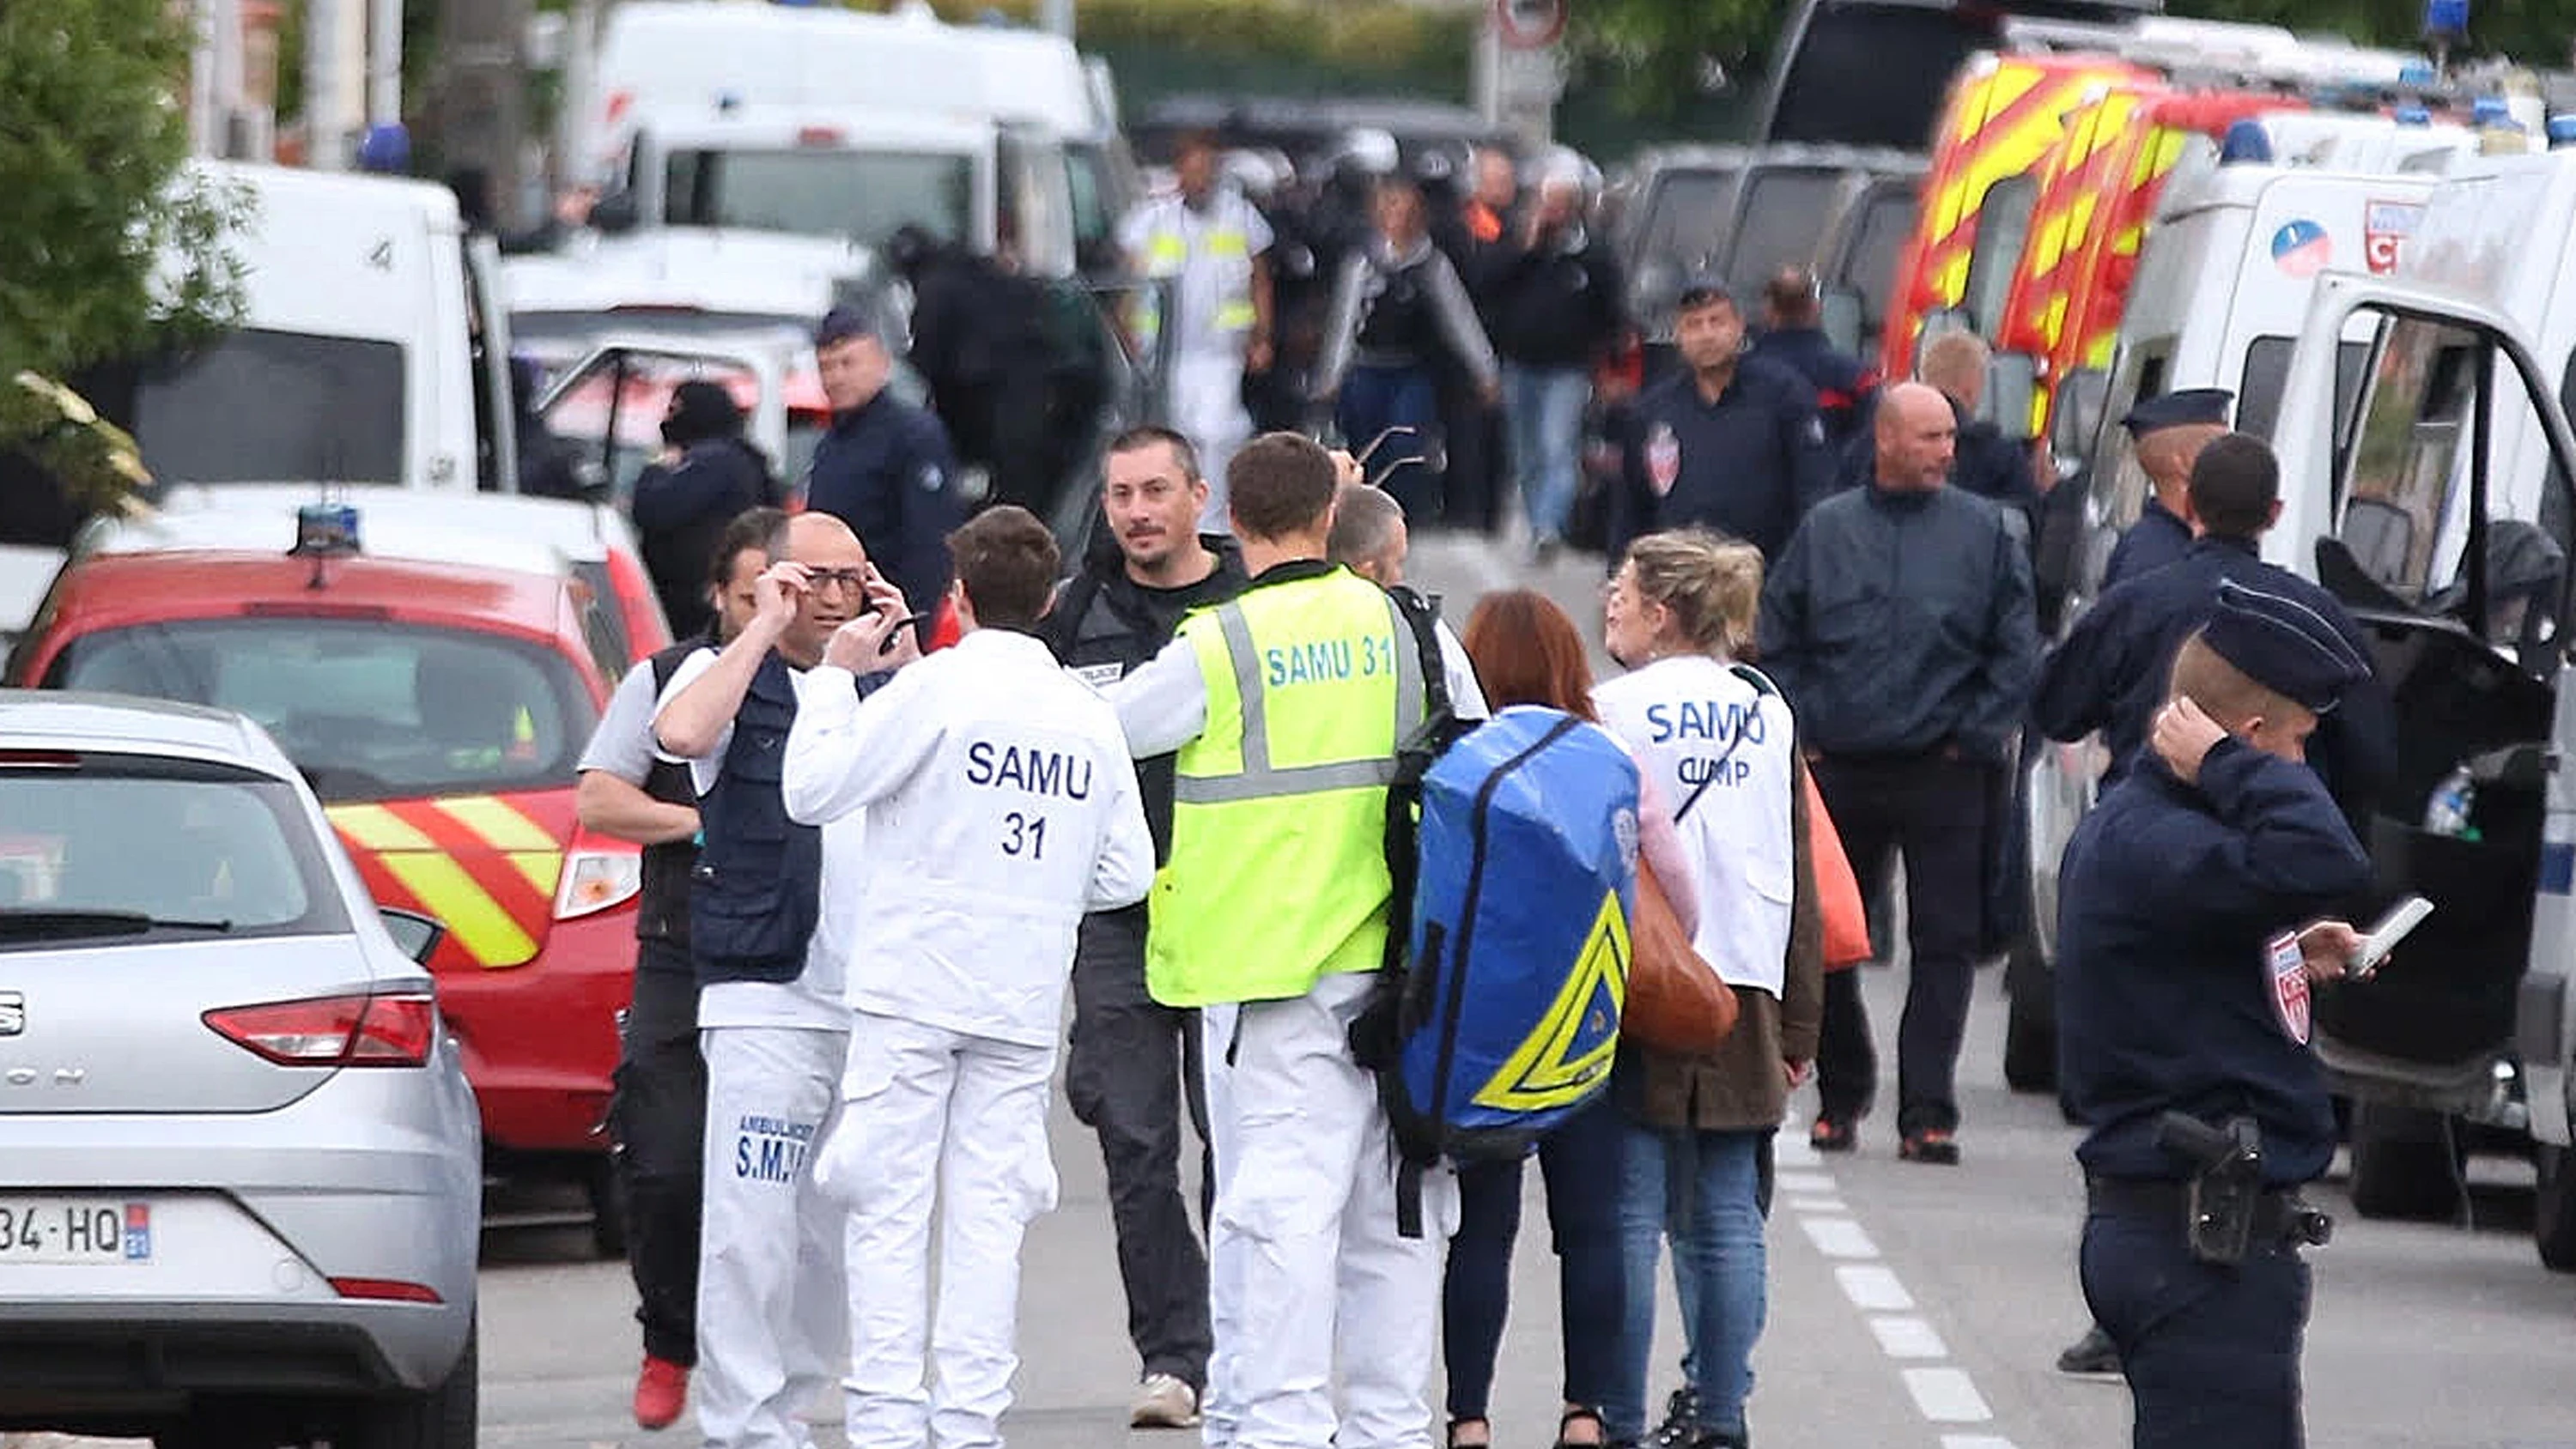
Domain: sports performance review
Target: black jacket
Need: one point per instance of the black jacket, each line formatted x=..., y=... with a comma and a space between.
x=681, y=512
x=1104, y=624
x=1556, y=308
x=1749, y=464
x=2164, y=998
x=885, y=469
x=1900, y=623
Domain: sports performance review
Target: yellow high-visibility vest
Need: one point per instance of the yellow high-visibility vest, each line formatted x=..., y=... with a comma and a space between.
x=1278, y=876
x=1167, y=254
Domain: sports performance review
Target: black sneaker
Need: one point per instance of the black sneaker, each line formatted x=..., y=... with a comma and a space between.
x=2094, y=1353
x=1680, y=1429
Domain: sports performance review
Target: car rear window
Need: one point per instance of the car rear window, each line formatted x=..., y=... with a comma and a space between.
x=96, y=844
x=368, y=709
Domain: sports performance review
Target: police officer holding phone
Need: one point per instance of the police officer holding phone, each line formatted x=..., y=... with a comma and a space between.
x=2189, y=942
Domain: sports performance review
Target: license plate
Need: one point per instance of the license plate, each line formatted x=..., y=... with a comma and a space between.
x=78, y=1230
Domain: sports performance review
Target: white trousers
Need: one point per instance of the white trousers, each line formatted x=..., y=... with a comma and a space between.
x=1207, y=409
x=932, y=1116
x=1308, y=1278
x=771, y=1302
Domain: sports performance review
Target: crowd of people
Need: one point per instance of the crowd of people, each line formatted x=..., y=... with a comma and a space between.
x=878, y=870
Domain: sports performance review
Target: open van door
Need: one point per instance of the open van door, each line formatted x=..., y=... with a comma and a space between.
x=2399, y=496
x=496, y=400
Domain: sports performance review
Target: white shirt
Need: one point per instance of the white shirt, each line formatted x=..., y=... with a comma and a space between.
x=1692, y=720
x=1162, y=704
x=1001, y=806
x=813, y=1000
x=1206, y=279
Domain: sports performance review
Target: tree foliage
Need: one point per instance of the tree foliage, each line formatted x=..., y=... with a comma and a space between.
x=93, y=128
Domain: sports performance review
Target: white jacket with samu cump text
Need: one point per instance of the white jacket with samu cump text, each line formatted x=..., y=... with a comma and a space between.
x=1001, y=807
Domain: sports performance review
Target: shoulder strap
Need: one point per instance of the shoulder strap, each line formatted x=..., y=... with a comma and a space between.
x=667, y=662
x=1762, y=685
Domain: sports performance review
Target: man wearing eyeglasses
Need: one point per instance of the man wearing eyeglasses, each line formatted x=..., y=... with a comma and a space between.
x=771, y=944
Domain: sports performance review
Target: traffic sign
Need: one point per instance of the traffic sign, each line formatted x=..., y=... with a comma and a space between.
x=1529, y=24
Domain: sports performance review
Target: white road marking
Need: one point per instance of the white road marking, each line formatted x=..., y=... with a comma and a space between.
x=1975, y=1441
x=1827, y=1205
x=1904, y=1336
x=1873, y=1289
x=1793, y=1182
x=1792, y=1149
x=1947, y=1396
x=1838, y=1237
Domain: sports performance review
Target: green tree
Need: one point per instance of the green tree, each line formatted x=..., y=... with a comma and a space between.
x=1661, y=55
x=92, y=134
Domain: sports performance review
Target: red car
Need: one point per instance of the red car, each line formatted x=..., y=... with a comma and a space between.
x=439, y=711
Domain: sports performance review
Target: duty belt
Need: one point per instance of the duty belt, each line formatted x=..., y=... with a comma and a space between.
x=2281, y=1217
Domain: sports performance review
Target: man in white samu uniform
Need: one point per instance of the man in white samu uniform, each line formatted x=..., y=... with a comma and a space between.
x=1001, y=785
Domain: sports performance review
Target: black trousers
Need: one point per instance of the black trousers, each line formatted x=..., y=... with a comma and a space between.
x=1133, y=1068
x=1933, y=810
x=658, y=1122
x=2211, y=1352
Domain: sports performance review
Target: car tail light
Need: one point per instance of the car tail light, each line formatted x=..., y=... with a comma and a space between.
x=390, y=1290
x=335, y=1031
x=597, y=880
x=818, y=136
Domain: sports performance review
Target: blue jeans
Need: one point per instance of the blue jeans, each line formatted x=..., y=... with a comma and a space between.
x=1543, y=408
x=1374, y=399
x=1580, y=1161
x=1703, y=1188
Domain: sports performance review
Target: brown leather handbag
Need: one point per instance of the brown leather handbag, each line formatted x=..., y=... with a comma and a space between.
x=1676, y=1001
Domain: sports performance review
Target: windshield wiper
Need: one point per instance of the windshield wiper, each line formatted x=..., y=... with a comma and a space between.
x=43, y=925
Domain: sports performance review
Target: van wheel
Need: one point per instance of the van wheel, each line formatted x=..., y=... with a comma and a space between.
x=2553, y=1220
x=444, y=1417
x=2030, y=1018
x=2402, y=1164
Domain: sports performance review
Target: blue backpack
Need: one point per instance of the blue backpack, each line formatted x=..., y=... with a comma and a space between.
x=1527, y=850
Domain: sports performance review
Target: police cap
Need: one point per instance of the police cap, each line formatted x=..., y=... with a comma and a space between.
x=2283, y=645
x=2206, y=406
x=843, y=323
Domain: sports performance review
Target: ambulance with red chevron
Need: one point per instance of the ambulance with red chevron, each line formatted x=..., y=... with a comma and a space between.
x=439, y=709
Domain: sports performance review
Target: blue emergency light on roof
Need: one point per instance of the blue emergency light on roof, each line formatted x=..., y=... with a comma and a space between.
x=325, y=530
x=2412, y=116
x=386, y=149
x=2562, y=131
x=2489, y=111
x=2247, y=143
x=2448, y=19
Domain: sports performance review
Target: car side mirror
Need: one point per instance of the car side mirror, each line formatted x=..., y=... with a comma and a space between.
x=2080, y=399
x=615, y=213
x=2012, y=386
x=416, y=934
x=1839, y=314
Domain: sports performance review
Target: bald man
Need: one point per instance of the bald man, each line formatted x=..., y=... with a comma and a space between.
x=1898, y=621
x=1988, y=464
x=770, y=933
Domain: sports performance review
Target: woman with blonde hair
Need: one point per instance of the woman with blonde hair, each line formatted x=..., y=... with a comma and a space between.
x=1714, y=736
x=1527, y=651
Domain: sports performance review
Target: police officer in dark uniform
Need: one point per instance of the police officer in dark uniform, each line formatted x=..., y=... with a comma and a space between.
x=885, y=467
x=2167, y=434
x=1793, y=336
x=1134, y=1062
x=2188, y=946
x=1728, y=441
x=2109, y=672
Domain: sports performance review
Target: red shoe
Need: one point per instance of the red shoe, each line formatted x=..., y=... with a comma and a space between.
x=661, y=1392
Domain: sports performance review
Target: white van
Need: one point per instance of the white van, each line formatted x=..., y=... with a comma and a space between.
x=2438, y=492
x=695, y=58
x=371, y=348
x=2219, y=300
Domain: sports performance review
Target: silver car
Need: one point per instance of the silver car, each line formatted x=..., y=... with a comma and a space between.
x=240, y=1169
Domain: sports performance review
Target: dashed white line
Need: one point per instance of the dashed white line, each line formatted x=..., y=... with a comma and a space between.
x=1797, y=1182
x=1838, y=1237
x=1873, y=1289
x=1827, y=1205
x=1975, y=1441
x=1904, y=1336
x=1947, y=1396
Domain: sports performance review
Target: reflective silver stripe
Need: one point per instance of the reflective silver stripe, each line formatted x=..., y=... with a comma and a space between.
x=1276, y=784
x=1247, y=688
x=1410, y=687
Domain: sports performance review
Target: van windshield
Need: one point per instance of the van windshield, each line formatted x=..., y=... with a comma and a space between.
x=274, y=407
x=823, y=191
x=1783, y=212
